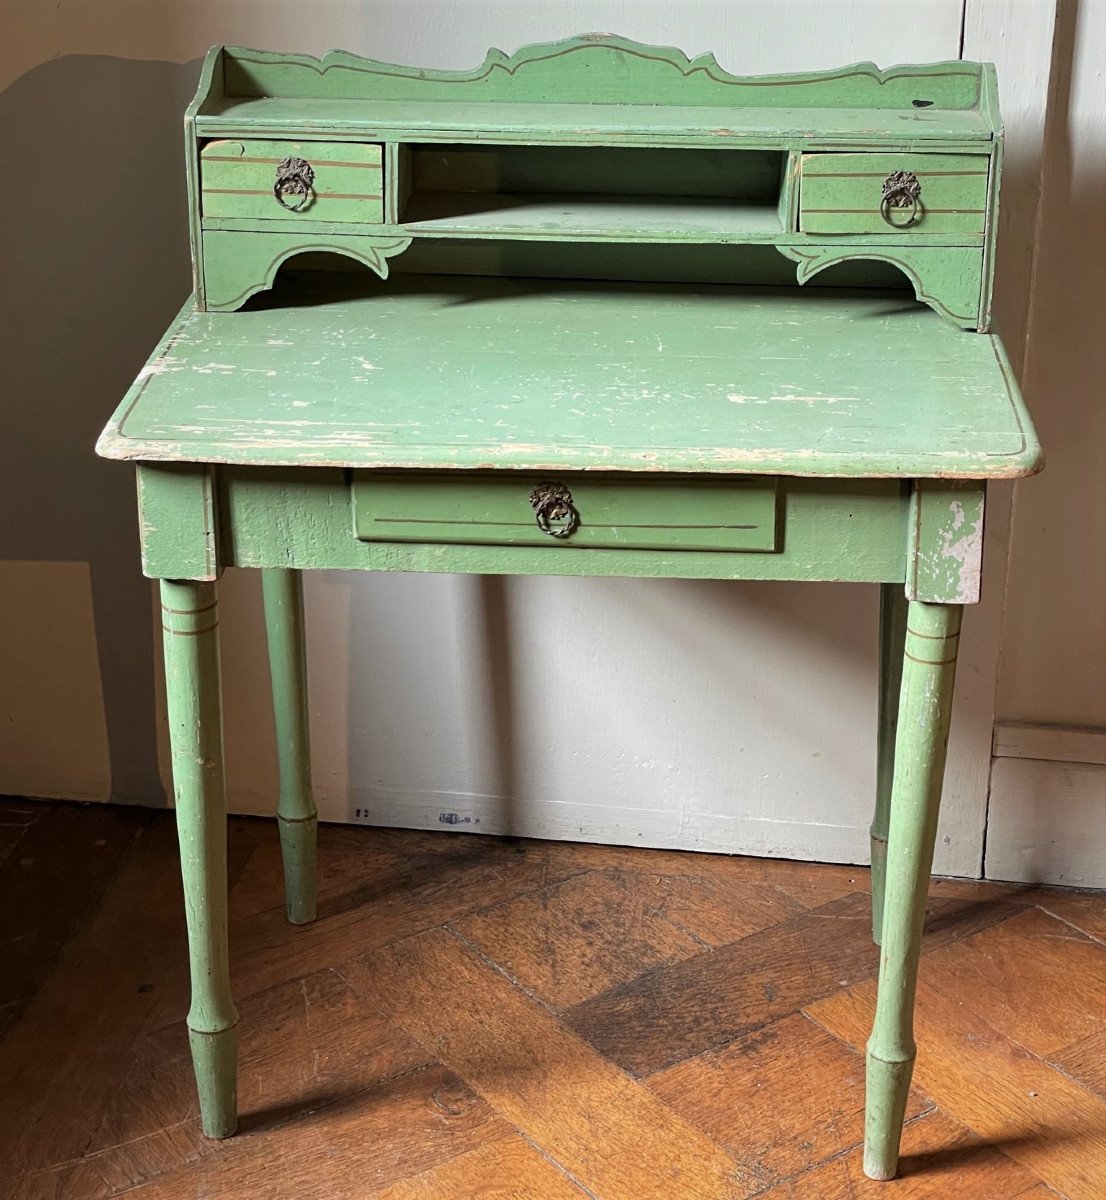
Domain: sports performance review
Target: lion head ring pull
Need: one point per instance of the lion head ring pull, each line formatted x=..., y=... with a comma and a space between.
x=554, y=510
x=901, y=189
x=295, y=177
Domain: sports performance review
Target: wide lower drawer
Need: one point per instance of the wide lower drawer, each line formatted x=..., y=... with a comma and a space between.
x=894, y=193
x=270, y=179
x=574, y=511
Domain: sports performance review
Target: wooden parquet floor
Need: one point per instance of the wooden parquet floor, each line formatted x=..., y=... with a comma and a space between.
x=481, y=1017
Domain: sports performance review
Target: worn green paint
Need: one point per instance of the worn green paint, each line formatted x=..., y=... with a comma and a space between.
x=190, y=620
x=834, y=530
x=947, y=279
x=423, y=372
x=177, y=518
x=642, y=145
x=629, y=90
x=758, y=433
x=741, y=177
x=614, y=513
x=297, y=816
x=892, y=635
x=237, y=178
x=842, y=193
x=925, y=704
x=946, y=541
x=240, y=263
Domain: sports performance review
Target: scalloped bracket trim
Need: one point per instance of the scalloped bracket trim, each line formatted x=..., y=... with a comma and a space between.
x=255, y=261
x=949, y=298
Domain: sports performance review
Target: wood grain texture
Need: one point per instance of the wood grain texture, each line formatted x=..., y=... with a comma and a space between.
x=1085, y=1062
x=670, y=1013
x=985, y=1080
x=941, y=1159
x=430, y=1069
x=584, y=936
x=391, y=900
x=1040, y=952
x=512, y=1168
x=782, y=1098
x=400, y=1128
x=582, y=1110
x=1086, y=911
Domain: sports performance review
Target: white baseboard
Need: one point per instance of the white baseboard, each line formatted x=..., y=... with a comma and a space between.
x=1047, y=822
x=672, y=829
x=1054, y=743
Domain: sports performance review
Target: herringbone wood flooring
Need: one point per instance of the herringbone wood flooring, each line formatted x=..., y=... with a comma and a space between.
x=481, y=1017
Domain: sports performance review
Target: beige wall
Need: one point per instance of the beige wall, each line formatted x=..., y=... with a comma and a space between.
x=753, y=706
x=1047, y=817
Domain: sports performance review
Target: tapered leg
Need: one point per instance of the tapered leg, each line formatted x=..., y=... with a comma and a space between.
x=283, y=592
x=892, y=632
x=925, y=703
x=189, y=617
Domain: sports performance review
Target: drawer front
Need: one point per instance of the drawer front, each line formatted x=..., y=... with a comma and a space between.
x=237, y=179
x=570, y=511
x=844, y=193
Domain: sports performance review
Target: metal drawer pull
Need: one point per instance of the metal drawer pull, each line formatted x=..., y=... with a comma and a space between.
x=901, y=189
x=294, y=177
x=554, y=510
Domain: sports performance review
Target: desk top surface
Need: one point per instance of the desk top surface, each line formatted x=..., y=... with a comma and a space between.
x=460, y=372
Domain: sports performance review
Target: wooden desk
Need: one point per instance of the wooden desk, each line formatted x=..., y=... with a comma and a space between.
x=502, y=418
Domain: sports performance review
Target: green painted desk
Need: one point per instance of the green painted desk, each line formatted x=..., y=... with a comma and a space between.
x=496, y=418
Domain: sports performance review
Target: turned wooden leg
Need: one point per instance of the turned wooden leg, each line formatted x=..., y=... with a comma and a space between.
x=925, y=703
x=892, y=632
x=189, y=617
x=296, y=814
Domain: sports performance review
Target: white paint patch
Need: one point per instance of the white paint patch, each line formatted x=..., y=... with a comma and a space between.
x=158, y=367
x=966, y=551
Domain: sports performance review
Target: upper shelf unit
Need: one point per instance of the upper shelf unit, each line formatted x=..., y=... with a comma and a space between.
x=597, y=88
x=595, y=139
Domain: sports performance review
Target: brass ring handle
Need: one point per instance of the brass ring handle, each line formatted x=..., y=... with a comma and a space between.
x=554, y=511
x=294, y=177
x=901, y=189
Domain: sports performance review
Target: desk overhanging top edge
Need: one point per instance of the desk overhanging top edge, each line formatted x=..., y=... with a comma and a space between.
x=587, y=88
x=444, y=373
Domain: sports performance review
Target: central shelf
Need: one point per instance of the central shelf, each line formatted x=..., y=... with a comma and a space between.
x=586, y=192
x=583, y=218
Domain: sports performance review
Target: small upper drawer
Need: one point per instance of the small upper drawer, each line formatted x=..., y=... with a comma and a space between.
x=568, y=510
x=331, y=181
x=845, y=193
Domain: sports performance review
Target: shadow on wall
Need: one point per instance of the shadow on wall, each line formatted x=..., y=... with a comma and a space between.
x=95, y=252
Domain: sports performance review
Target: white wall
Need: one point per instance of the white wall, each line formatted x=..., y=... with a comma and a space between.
x=1048, y=814
x=736, y=717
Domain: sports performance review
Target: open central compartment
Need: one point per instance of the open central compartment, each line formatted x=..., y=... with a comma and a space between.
x=581, y=192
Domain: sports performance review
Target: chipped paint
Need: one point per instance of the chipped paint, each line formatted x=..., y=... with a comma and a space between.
x=965, y=551
x=946, y=542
